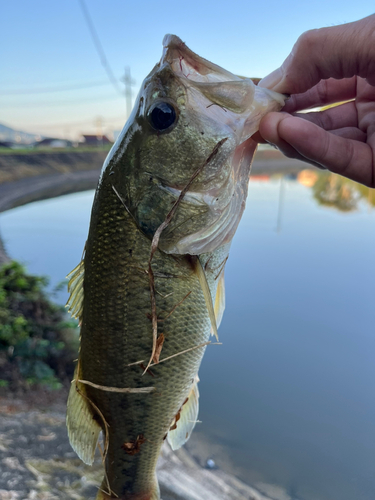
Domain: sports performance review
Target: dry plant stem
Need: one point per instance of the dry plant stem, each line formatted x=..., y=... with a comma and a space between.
x=126, y=390
x=123, y=203
x=175, y=307
x=185, y=351
x=155, y=243
x=178, y=353
x=221, y=267
x=159, y=347
x=110, y=492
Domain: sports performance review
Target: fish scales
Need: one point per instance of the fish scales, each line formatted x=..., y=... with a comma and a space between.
x=119, y=326
x=184, y=157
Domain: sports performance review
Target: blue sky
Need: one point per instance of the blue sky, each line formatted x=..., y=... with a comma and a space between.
x=47, y=45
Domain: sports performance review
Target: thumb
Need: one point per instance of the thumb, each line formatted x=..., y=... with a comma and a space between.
x=336, y=52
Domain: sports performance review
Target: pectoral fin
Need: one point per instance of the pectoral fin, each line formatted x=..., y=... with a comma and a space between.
x=207, y=295
x=188, y=415
x=220, y=300
x=83, y=429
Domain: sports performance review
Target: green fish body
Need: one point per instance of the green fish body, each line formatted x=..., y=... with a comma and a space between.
x=148, y=305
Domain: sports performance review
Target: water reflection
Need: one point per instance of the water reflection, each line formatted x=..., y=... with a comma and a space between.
x=335, y=191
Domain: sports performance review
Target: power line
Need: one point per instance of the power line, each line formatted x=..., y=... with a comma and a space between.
x=47, y=104
x=107, y=121
x=60, y=88
x=99, y=47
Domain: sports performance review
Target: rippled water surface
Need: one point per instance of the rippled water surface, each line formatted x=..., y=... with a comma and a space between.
x=289, y=396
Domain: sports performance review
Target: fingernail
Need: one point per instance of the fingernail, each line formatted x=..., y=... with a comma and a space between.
x=270, y=81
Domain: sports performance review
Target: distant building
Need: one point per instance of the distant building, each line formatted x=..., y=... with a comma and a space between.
x=51, y=142
x=95, y=140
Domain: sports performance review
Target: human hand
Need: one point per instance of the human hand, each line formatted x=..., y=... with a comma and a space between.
x=326, y=66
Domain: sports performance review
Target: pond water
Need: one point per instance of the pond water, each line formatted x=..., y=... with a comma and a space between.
x=288, y=401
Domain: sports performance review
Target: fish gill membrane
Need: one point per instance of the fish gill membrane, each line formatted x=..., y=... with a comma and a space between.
x=149, y=291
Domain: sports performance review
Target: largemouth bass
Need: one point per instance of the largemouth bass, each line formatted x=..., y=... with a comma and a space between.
x=149, y=291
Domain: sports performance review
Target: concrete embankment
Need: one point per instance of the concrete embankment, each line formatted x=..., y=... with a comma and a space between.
x=17, y=166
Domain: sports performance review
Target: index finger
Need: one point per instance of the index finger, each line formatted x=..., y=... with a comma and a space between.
x=325, y=92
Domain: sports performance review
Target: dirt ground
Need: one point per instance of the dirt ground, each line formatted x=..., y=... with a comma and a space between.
x=36, y=460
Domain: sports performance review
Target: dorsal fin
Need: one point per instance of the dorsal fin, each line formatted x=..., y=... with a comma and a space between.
x=75, y=288
x=188, y=418
x=207, y=295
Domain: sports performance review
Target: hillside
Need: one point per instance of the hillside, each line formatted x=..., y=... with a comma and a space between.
x=12, y=135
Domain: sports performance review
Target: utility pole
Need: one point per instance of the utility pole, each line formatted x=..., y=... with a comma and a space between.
x=129, y=82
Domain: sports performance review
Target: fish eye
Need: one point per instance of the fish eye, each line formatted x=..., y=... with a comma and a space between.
x=162, y=116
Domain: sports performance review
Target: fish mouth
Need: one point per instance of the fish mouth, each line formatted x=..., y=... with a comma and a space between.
x=188, y=64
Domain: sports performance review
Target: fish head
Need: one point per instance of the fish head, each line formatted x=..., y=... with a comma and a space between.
x=191, y=127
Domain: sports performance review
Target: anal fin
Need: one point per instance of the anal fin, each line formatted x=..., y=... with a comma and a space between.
x=188, y=418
